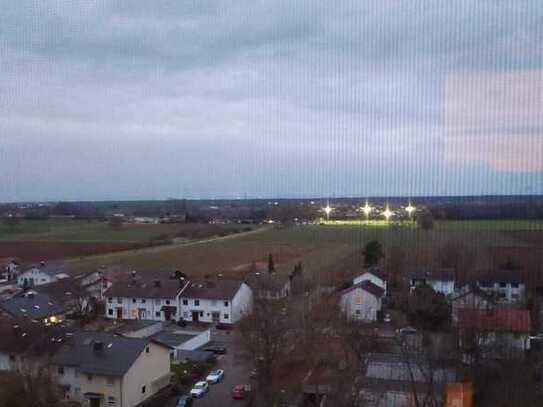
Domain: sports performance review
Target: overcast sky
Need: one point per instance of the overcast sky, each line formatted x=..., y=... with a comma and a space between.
x=261, y=98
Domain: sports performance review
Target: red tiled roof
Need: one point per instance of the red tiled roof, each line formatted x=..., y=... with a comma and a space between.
x=499, y=319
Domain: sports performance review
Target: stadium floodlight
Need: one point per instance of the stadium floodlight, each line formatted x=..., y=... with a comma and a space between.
x=327, y=210
x=410, y=209
x=367, y=209
x=388, y=213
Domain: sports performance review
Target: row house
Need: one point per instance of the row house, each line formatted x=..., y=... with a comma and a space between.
x=218, y=301
x=157, y=300
x=373, y=275
x=506, y=286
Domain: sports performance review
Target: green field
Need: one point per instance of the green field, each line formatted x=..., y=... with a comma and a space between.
x=64, y=229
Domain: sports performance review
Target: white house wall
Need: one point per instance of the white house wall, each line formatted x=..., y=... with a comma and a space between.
x=360, y=305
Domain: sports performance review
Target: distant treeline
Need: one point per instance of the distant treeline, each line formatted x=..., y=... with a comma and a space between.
x=285, y=210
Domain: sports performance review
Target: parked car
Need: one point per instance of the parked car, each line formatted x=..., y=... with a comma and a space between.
x=239, y=392
x=225, y=327
x=184, y=401
x=253, y=374
x=199, y=389
x=215, y=376
x=217, y=350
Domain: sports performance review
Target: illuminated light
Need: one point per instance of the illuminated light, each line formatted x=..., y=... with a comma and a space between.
x=327, y=209
x=387, y=213
x=53, y=320
x=367, y=209
x=410, y=209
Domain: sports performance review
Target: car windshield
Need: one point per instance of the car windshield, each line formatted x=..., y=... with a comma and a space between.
x=200, y=385
x=214, y=372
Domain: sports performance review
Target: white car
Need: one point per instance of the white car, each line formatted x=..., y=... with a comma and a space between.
x=215, y=376
x=199, y=389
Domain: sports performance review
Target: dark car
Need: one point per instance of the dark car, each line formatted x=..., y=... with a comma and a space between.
x=184, y=401
x=217, y=350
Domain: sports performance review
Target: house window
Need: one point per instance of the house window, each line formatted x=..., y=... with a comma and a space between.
x=197, y=303
x=143, y=300
x=157, y=313
x=514, y=285
x=147, y=349
x=11, y=358
x=142, y=389
x=185, y=314
x=60, y=370
x=225, y=316
x=226, y=303
x=157, y=302
x=357, y=312
x=89, y=377
x=110, y=381
x=110, y=300
x=503, y=285
x=133, y=300
x=201, y=313
x=111, y=401
x=213, y=302
x=110, y=311
x=119, y=300
x=167, y=302
x=185, y=302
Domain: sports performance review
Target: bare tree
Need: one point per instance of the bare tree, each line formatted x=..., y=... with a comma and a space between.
x=25, y=390
x=264, y=333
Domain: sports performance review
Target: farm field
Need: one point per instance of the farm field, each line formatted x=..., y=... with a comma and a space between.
x=321, y=249
x=96, y=231
x=33, y=240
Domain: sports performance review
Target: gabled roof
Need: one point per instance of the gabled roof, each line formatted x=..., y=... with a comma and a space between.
x=376, y=271
x=165, y=288
x=445, y=274
x=367, y=286
x=267, y=281
x=100, y=353
x=64, y=290
x=505, y=276
x=33, y=305
x=495, y=320
x=51, y=268
x=217, y=289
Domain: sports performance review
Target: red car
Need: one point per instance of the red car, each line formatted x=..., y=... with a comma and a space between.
x=240, y=391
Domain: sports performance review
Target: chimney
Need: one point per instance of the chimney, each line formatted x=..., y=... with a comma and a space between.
x=156, y=283
x=98, y=346
x=42, y=263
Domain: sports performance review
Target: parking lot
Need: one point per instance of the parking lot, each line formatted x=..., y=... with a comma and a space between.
x=236, y=365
